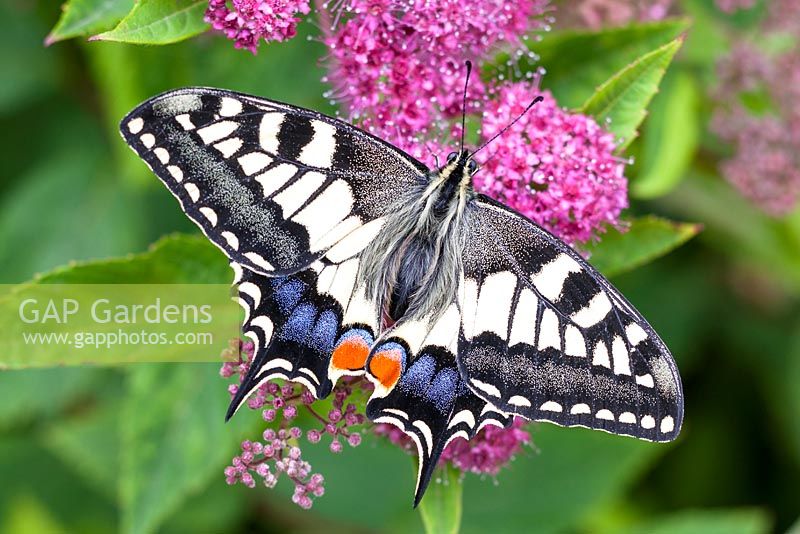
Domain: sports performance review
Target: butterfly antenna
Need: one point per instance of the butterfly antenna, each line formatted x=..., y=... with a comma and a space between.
x=512, y=123
x=464, y=106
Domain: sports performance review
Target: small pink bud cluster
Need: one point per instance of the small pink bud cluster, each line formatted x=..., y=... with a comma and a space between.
x=280, y=452
x=286, y=459
x=248, y=22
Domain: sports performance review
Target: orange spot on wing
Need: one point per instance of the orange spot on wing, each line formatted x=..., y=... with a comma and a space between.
x=351, y=354
x=386, y=366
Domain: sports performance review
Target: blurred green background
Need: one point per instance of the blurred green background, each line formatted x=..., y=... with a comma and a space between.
x=142, y=448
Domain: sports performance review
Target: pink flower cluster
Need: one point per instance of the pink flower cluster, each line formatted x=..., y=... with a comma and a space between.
x=598, y=13
x=398, y=65
x=731, y=6
x=279, y=454
x=248, y=22
x=556, y=167
x=485, y=454
x=765, y=166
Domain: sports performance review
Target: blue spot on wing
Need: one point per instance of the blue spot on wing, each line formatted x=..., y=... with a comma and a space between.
x=324, y=332
x=418, y=376
x=299, y=323
x=443, y=389
x=288, y=294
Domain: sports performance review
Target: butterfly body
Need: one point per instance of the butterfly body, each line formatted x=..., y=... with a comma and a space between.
x=412, y=265
x=354, y=259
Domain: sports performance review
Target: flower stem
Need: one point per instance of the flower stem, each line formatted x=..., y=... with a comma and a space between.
x=440, y=508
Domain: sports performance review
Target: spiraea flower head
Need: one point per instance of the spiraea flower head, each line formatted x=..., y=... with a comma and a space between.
x=598, y=13
x=765, y=136
x=249, y=22
x=397, y=65
x=556, y=167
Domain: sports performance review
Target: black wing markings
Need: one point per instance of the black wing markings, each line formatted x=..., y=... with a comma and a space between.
x=272, y=185
x=596, y=363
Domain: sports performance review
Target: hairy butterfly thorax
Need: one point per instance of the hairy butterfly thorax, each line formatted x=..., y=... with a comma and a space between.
x=413, y=265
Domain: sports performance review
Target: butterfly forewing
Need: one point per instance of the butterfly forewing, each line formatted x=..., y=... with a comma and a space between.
x=547, y=337
x=274, y=186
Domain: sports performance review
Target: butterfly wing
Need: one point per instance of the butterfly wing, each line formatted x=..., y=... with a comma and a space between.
x=274, y=186
x=313, y=326
x=418, y=389
x=545, y=336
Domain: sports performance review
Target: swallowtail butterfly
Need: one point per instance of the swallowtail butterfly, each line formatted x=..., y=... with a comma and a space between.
x=353, y=258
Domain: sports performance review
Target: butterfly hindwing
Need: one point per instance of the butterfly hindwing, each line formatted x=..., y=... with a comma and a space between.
x=546, y=337
x=310, y=327
x=274, y=186
x=418, y=388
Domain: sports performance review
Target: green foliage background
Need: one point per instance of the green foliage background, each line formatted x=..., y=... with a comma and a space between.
x=141, y=448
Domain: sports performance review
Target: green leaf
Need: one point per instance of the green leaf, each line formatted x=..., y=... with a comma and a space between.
x=745, y=521
x=30, y=470
x=40, y=393
x=28, y=514
x=578, y=61
x=174, y=259
x=87, y=17
x=89, y=443
x=75, y=192
x=440, y=508
x=738, y=229
x=623, y=99
x=173, y=441
x=647, y=239
x=30, y=71
x=159, y=22
x=671, y=135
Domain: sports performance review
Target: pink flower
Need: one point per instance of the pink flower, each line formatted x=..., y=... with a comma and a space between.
x=598, y=13
x=489, y=451
x=556, y=167
x=485, y=454
x=730, y=6
x=247, y=22
x=398, y=66
x=765, y=166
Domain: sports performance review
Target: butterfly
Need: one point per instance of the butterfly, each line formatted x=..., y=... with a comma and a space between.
x=352, y=258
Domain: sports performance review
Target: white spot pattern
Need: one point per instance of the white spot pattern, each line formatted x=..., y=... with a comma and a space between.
x=229, y=147
x=135, y=125
x=294, y=196
x=551, y=406
x=194, y=192
x=549, y=281
x=494, y=304
x=275, y=178
x=268, y=131
x=252, y=162
x=320, y=150
x=218, y=130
